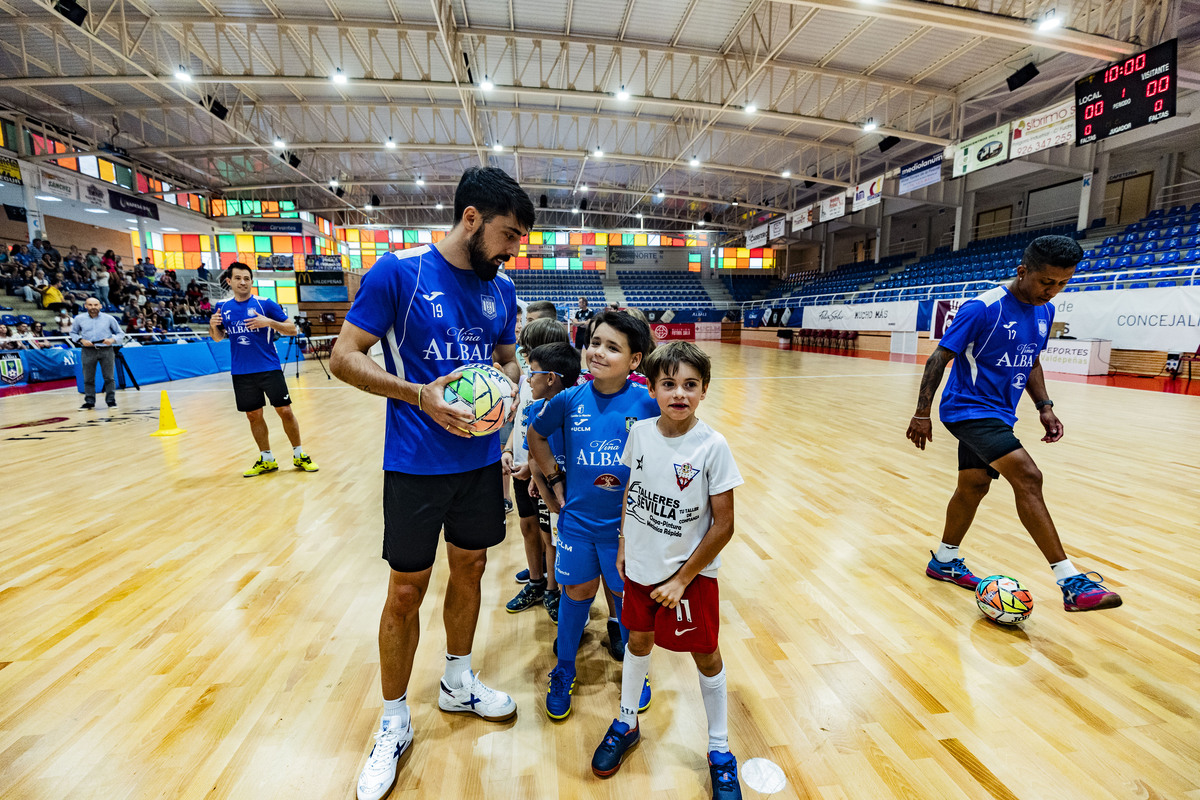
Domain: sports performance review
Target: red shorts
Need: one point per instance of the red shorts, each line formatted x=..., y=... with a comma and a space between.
x=690, y=627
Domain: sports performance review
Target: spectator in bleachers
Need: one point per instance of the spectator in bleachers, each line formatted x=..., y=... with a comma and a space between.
x=146, y=267
x=53, y=296
x=202, y=273
x=205, y=306
x=35, y=251
x=7, y=342
x=193, y=291
x=49, y=250
x=92, y=259
x=24, y=337
x=169, y=280
x=109, y=261
x=74, y=258
x=38, y=332
x=64, y=320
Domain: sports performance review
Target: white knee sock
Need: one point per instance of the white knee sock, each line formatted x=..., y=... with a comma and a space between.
x=458, y=669
x=633, y=675
x=715, y=706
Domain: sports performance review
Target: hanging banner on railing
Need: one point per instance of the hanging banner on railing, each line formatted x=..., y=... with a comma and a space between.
x=833, y=207
x=985, y=150
x=1049, y=127
x=897, y=315
x=1134, y=319
x=918, y=174
x=802, y=218
x=868, y=194
x=58, y=185
x=10, y=171
x=943, y=315
x=757, y=237
x=778, y=228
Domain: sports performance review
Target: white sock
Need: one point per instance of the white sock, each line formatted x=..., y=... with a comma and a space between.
x=633, y=676
x=265, y=455
x=946, y=552
x=297, y=451
x=395, y=712
x=1063, y=569
x=715, y=706
x=457, y=670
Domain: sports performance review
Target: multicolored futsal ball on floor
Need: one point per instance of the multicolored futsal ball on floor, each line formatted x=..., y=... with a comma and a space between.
x=1003, y=599
x=485, y=392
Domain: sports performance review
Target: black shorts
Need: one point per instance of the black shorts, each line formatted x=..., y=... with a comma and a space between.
x=526, y=505
x=249, y=389
x=982, y=441
x=469, y=506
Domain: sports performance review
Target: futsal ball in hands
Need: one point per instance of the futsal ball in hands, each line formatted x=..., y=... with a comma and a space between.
x=484, y=392
x=1003, y=599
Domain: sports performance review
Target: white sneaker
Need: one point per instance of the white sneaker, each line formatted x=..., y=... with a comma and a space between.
x=488, y=703
x=379, y=775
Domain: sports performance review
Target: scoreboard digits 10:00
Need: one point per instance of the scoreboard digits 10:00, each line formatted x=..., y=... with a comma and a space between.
x=1126, y=95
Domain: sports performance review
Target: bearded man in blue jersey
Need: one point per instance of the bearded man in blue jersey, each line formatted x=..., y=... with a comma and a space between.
x=437, y=309
x=995, y=341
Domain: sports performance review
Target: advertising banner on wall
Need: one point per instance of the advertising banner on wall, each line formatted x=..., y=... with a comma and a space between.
x=778, y=228
x=802, y=218
x=921, y=173
x=10, y=171
x=58, y=185
x=91, y=193
x=1049, y=127
x=272, y=226
x=898, y=315
x=1134, y=319
x=323, y=262
x=132, y=205
x=664, y=331
x=985, y=150
x=867, y=194
x=757, y=237
x=833, y=207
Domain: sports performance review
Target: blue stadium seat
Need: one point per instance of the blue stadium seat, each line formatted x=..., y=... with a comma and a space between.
x=1139, y=285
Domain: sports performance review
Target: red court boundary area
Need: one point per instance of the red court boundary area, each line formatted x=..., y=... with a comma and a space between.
x=1160, y=383
x=29, y=388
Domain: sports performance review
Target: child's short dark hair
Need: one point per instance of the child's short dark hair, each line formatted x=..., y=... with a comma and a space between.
x=558, y=357
x=636, y=332
x=666, y=358
x=543, y=309
x=543, y=331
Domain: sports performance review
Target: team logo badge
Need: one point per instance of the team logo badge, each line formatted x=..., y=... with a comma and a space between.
x=629, y=423
x=12, y=369
x=608, y=482
x=489, y=306
x=1041, y=327
x=684, y=473
x=243, y=340
x=1019, y=381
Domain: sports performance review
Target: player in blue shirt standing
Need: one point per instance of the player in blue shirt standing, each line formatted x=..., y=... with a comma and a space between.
x=594, y=420
x=252, y=324
x=437, y=309
x=994, y=341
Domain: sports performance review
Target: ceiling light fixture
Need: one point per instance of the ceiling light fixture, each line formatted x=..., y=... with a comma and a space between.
x=695, y=162
x=390, y=144
x=497, y=147
x=661, y=194
x=338, y=76
x=171, y=230
x=735, y=202
x=333, y=183
x=639, y=215
x=420, y=181
x=583, y=188
x=574, y=210
x=597, y=153
x=280, y=143
x=438, y=206
x=751, y=108
x=622, y=95
x=182, y=74
x=487, y=84
x=870, y=125
x=96, y=210
x=1050, y=21
x=787, y=173
x=48, y=198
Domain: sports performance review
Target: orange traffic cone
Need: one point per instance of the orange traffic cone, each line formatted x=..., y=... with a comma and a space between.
x=166, y=418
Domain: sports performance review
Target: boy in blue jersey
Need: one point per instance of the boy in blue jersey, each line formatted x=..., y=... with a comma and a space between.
x=994, y=341
x=436, y=309
x=252, y=324
x=594, y=420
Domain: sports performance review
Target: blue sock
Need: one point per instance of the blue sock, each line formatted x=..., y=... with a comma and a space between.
x=572, y=619
x=624, y=631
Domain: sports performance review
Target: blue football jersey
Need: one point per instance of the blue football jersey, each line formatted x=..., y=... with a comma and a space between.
x=432, y=319
x=530, y=413
x=997, y=339
x=251, y=350
x=594, y=428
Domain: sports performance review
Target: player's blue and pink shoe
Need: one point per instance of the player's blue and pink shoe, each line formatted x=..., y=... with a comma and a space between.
x=953, y=571
x=1084, y=593
x=722, y=769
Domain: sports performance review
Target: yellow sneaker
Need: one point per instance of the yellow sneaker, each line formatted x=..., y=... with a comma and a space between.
x=305, y=463
x=260, y=467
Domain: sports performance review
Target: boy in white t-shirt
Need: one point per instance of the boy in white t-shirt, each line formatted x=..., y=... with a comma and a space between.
x=678, y=516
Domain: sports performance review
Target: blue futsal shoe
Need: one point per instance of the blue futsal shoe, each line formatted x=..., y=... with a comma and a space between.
x=617, y=742
x=558, y=696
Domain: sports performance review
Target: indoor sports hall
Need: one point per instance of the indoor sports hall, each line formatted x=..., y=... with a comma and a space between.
x=814, y=192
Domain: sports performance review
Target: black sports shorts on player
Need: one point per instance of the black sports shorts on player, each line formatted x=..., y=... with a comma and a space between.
x=250, y=387
x=527, y=506
x=982, y=441
x=469, y=506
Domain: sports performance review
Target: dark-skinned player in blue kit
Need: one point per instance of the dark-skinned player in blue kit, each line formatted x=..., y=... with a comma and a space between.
x=437, y=309
x=995, y=340
x=594, y=420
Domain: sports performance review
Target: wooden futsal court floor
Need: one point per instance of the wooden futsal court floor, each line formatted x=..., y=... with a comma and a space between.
x=169, y=629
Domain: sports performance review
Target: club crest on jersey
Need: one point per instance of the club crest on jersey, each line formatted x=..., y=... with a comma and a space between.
x=629, y=423
x=684, y=473
x=1019, y=381
x=608, y=482
x=1041, y=327
x=489, y=306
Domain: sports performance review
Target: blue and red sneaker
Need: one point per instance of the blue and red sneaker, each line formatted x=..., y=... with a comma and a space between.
x=1083, y=593
x=722, y=769
x=558, y=696
x=617, y=742
x=953, y=571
